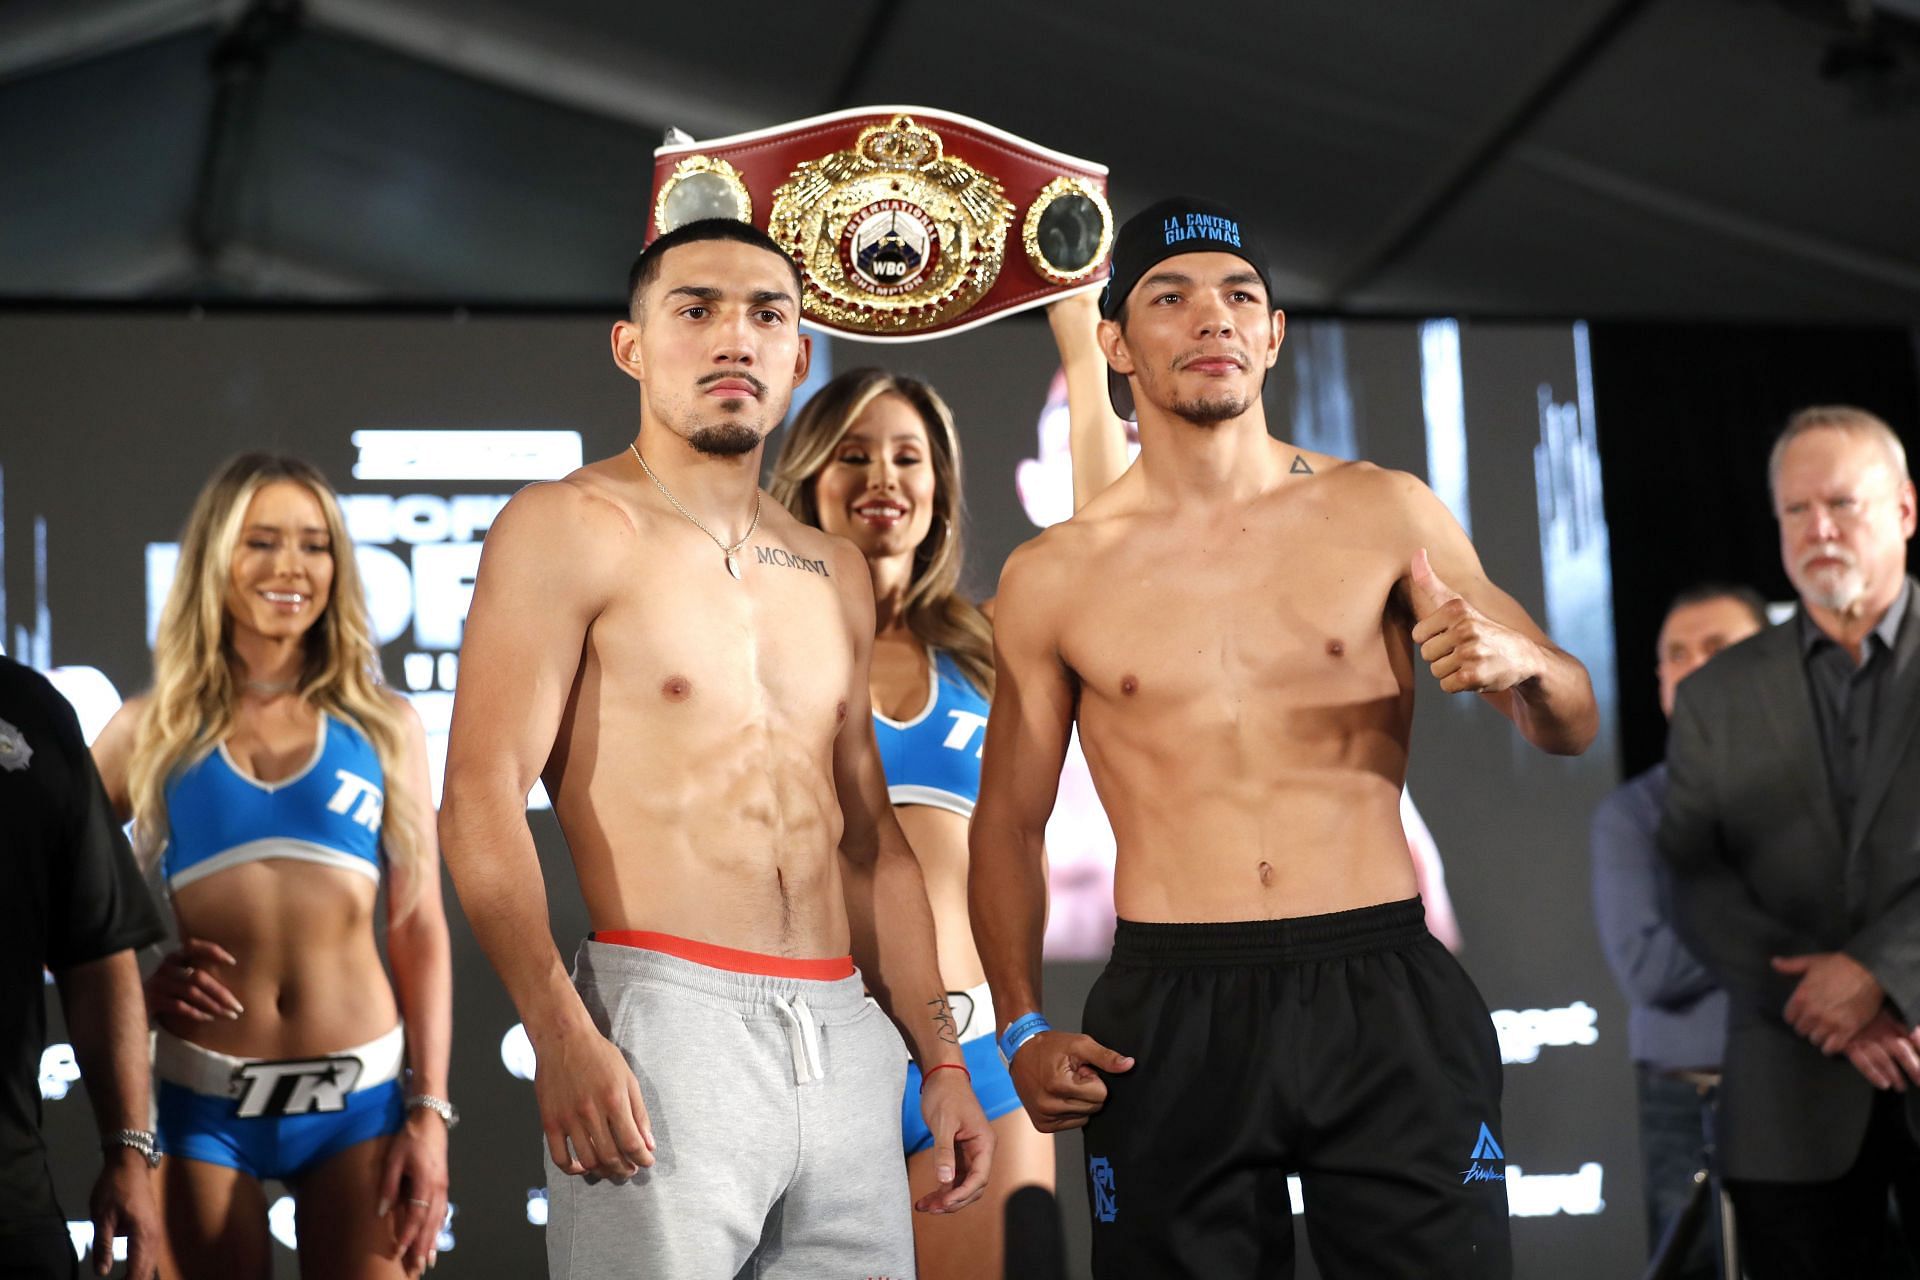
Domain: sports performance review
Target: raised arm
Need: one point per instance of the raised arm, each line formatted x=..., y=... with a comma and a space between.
x=882, y=882
x=1027, y=733
x=543, y=579
x=1096, y=438
x=422, y=961
x=1477, y=639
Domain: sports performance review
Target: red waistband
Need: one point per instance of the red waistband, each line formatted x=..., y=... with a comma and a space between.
x=828, y=970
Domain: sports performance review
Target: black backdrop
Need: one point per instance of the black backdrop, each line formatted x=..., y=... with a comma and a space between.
x=113, y=418
x=1688, y=414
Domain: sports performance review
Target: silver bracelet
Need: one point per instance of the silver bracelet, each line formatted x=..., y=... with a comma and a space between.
x=141, y=1140
x=439, y=1106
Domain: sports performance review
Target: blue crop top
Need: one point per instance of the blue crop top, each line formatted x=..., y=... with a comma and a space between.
x=934, y=758
x=329, y=812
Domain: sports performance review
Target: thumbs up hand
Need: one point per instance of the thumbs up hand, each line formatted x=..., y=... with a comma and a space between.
x=1467, y=651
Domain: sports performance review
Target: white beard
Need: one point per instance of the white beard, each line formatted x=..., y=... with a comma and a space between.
x=1836, y=588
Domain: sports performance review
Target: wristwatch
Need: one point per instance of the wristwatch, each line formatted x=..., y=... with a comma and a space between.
x=141, y=1140
x=439, y=1106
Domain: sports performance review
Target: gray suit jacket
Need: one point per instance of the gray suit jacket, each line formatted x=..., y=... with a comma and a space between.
x=1762, y=869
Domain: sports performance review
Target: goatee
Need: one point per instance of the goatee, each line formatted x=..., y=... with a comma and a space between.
x=1211, y=412
x=728, y=440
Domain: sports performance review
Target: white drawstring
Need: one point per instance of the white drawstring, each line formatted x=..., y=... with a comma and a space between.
x=802, y=1037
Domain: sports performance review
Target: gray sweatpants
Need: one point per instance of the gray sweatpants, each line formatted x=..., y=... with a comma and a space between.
x=775, y=1105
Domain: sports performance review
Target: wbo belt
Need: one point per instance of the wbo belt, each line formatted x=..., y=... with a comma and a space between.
x=907, y=222
x=280, y=1087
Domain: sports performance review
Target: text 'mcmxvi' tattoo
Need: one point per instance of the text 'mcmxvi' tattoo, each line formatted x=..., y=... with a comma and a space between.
x=786, y=559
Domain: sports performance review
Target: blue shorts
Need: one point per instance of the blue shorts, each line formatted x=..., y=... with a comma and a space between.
x=991, y=1084
x=198, y=1127
x=296, y=1114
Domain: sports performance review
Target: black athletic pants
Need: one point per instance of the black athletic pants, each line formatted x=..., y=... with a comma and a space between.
x=1349, y=1048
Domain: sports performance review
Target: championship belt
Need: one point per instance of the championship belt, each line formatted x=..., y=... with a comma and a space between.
x=907, y=223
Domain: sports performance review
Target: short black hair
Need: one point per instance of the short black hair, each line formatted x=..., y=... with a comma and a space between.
x=646, y=267
x=1701, y=592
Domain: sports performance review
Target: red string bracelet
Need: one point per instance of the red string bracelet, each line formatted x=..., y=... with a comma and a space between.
x=945, y=1066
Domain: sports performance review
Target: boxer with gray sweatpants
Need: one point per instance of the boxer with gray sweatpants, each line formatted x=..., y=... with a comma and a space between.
x=775, y=1104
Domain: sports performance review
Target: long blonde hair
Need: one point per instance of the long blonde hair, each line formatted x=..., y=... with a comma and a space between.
x=190, y=709
x=935, y=611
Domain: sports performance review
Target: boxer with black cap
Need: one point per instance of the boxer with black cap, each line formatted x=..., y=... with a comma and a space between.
x=1235, y=625
x=1168, y=228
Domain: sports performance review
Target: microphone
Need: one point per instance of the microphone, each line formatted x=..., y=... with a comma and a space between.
x=1036, y=1245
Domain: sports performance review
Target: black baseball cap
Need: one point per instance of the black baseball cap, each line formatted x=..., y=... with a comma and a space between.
x=1179, y=224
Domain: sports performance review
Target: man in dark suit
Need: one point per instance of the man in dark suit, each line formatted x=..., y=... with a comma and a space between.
x=1792, y=824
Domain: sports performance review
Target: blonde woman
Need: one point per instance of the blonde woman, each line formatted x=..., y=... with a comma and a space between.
x=874, y=458
x=277, y=783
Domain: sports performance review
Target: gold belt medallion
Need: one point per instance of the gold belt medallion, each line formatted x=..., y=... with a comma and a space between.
x=894, y=236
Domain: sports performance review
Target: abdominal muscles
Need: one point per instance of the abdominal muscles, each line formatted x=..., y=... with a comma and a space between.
x=1233, y=817
x=308, y=970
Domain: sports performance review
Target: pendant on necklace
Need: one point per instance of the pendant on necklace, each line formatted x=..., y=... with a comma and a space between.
x=733, y=566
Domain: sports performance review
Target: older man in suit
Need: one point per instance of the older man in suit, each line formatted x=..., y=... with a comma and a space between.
x=1792, y=824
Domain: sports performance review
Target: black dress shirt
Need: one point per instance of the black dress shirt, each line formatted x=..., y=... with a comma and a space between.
x=1845, y=697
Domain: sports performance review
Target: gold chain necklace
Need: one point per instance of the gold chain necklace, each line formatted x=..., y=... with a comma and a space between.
x=733, y=565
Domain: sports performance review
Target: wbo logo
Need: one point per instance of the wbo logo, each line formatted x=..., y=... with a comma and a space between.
x=1104, y=1206
x=1488, y=1161
x=889, y=245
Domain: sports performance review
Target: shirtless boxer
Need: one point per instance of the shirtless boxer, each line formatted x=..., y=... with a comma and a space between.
x=1235, y=624
x=698, y=710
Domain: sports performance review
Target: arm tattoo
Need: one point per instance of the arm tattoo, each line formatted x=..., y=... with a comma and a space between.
x=943, y=1020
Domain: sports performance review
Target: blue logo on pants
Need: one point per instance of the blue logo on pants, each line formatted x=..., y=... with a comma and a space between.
x=1101, y=1172
x=1488, y=1161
